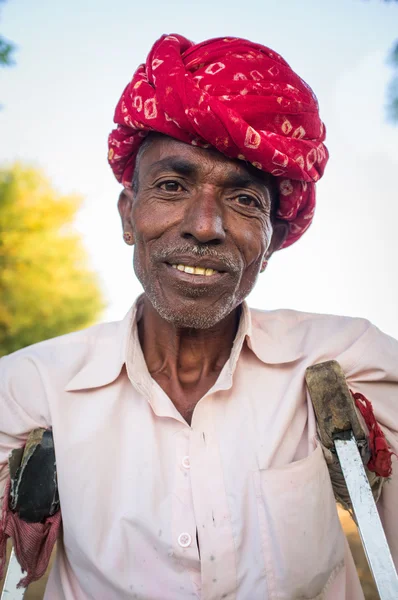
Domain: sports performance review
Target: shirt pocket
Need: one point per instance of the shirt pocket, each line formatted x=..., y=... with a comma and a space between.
x=302, y=539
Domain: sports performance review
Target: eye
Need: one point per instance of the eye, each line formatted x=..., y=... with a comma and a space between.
x=246, y=200
x=170, y=186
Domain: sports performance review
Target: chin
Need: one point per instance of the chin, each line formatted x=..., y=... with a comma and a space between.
x=193, y=316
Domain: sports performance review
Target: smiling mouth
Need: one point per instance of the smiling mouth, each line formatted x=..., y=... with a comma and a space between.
x=194, y=270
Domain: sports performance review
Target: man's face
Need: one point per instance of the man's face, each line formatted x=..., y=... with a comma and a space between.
x=201, y=225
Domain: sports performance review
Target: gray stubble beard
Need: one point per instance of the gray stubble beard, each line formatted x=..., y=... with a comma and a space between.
x=190, y=318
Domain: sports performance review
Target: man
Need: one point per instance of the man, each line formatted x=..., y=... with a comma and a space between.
x=187, y=458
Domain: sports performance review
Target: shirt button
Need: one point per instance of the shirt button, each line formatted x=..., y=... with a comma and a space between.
x=186, y=463
x=184, y=539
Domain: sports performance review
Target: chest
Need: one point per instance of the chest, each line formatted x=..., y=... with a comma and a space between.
x=135, y=479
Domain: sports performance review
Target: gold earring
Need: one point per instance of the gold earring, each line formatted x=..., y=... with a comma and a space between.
x=128, y=237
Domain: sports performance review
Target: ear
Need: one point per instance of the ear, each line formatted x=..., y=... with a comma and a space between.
x=124, y=205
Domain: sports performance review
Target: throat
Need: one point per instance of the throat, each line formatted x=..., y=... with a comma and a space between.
x=185, y=362
x=185, y=394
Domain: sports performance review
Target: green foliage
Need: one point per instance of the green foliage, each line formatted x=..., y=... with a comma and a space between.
x=6, y=50
x=46, y=287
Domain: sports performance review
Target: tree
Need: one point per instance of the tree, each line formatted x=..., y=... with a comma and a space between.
x=6, y=50
x=46, y=287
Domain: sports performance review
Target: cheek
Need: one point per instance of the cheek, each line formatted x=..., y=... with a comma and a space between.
x=141, y=226
x=255, y=241
x=151, y=219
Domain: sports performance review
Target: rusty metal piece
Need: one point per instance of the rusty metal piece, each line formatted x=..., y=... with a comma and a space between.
x=34, y=490
x=333, y=404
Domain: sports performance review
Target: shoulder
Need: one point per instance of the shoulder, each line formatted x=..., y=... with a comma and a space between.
x=293, y=322
x=54, y=361
x=297, y=324
x=317, y=337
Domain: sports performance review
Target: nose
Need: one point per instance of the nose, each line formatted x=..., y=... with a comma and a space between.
x=203, y=218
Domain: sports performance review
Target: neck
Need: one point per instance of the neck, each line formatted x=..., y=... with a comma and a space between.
x=182, y=354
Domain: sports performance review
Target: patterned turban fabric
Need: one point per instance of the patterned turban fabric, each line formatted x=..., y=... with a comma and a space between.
x=238, y=97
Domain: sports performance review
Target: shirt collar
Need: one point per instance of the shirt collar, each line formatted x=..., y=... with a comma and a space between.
x=105, y=355
x=115, y=345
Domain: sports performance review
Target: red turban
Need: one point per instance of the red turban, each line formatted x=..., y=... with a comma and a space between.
x=239, y=97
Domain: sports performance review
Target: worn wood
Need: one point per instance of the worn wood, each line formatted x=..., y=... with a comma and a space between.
x=34, y=491
x=333, y=404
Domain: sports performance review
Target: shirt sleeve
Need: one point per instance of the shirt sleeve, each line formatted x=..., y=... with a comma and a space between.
x=23, y=406
x=374, y=373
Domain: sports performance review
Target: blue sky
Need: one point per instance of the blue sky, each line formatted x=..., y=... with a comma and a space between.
x=74, y=59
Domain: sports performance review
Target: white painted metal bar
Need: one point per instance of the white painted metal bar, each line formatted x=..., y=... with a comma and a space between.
x=370, y=528
x=13, y=577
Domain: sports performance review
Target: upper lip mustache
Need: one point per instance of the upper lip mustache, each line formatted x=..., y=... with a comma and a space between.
x=197, y=261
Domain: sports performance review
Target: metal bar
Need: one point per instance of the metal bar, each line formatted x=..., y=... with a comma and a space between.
x=370, y=528
x=13, y=577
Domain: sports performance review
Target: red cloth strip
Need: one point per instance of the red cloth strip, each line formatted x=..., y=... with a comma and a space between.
x=381, y=455
x=33, y=542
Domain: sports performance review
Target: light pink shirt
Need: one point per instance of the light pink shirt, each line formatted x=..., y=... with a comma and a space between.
x=138, y=485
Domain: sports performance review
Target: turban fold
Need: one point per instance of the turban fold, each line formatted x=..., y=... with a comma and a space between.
x=236, y=96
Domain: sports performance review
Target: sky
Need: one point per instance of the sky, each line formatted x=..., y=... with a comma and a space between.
x=73, y=60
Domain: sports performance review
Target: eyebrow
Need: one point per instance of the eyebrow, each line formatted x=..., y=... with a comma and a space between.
x=186, y=168
x=240, y=180
x=174, y=163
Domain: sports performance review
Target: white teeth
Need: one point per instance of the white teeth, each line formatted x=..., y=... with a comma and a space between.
x=195, y=270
